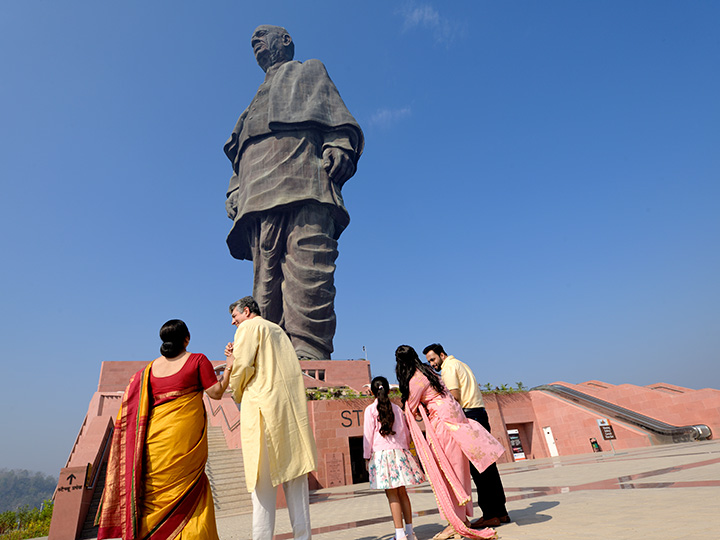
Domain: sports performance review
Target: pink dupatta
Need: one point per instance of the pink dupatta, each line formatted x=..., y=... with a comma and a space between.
x=435, y=463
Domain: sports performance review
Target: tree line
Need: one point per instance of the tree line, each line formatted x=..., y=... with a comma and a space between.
x=20, y=488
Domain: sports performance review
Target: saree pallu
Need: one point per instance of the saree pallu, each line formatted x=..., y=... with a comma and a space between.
x=156, y=487
x=451, y=441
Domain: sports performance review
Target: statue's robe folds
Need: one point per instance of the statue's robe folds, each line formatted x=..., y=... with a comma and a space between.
x=277, y=144
x=287, y=213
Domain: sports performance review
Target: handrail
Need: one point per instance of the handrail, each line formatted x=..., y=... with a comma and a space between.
x=214, y=411
x=77, y=440
x=102, y=453
x=699, y=432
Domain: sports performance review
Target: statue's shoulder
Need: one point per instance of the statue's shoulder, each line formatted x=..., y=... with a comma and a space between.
x=304, y=69
x=314, y=63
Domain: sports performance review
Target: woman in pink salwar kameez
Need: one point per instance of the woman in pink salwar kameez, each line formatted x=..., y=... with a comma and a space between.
x=451, y=441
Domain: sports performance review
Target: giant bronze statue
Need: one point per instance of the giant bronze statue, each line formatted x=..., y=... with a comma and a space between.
x=292, y=150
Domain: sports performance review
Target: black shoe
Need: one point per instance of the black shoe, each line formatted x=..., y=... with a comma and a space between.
x=482, y=523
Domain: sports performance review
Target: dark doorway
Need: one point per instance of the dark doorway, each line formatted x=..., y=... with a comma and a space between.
x=357, y=461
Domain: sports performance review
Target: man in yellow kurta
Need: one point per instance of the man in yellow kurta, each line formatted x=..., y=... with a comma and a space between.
x=277, y=441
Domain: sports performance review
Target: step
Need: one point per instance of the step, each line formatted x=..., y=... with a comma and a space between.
x=229, y=486
x=222, y=464
x=226, y=473
x=219, y=456
x=222, y=480
x=221, y=468
x=222, y=453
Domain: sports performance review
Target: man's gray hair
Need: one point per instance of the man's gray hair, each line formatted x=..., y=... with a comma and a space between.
x=246, y=302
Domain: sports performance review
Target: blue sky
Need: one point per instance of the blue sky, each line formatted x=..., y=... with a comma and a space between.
x=539, y=190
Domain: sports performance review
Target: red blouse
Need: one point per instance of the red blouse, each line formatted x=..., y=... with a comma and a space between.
x=197, y=374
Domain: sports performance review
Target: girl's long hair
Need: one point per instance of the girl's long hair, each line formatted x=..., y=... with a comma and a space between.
x=407, y=363
x=381, y=390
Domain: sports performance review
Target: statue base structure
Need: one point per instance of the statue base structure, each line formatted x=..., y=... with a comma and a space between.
x=337, y=397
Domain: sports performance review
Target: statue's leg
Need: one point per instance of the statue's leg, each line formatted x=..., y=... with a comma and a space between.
x=267, y=242
x=308, y=287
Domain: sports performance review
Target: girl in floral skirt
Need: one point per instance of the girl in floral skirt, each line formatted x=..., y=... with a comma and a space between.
x=386, y=443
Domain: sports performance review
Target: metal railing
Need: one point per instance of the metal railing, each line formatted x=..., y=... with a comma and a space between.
x=661, y=431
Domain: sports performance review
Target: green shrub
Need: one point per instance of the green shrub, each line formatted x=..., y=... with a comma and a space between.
x=26, y=522
x=488, y=388
x=315, y=394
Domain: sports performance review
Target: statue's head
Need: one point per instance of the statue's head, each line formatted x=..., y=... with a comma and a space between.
x=272, y=45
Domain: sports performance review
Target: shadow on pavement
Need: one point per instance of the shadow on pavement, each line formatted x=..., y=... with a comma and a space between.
x=423, y=532
x=533, y=513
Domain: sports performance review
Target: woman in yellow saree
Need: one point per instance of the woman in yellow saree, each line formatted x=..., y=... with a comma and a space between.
x=156, y=487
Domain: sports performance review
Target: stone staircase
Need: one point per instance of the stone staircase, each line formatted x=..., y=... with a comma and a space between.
x=227, y=476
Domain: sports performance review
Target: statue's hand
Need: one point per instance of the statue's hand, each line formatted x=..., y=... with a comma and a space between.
x=338, y=164
x=230, y=208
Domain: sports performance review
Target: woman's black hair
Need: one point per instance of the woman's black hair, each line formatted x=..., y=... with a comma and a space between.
x=380, y=388
x=173, y=333
x=407, y=363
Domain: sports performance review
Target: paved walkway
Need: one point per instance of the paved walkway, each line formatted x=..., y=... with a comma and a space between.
x=659, y=493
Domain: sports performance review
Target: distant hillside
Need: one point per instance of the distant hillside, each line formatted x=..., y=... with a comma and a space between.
x=20, y=487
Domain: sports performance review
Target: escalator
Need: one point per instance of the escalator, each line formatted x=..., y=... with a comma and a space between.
x=660, y=432
x=90, y=530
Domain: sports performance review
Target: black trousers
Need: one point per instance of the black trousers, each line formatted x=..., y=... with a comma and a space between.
x=490, y=492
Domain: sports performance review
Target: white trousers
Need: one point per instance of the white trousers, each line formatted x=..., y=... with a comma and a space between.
x=265, y=496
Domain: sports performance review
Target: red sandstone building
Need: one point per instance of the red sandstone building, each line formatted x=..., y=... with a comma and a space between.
x=551, y=420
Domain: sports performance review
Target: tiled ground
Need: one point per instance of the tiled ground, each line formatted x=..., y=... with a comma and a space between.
x=660, y=493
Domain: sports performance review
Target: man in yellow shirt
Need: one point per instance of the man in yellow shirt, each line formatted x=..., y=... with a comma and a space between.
x=461, y=383
x=277, y=442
